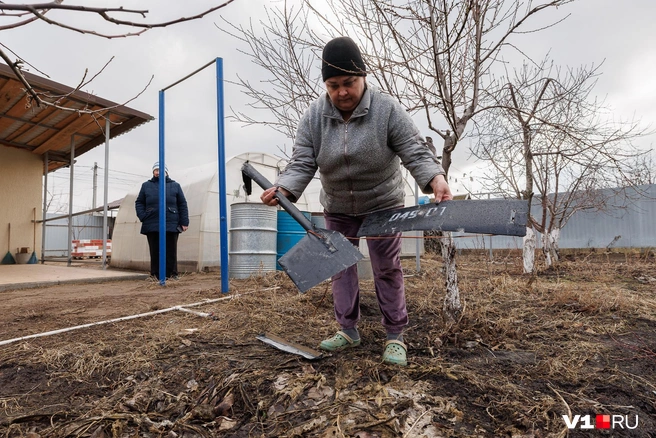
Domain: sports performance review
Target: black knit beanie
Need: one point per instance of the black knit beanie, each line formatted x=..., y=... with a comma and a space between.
x=341, y=57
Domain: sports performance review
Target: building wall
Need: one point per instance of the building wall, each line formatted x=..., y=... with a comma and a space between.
x=629, y=222
x=21, y=179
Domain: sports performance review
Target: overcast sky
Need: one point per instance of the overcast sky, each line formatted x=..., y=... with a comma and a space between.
x=618, y=33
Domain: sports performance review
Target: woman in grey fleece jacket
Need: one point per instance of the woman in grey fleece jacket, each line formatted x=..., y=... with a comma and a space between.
x=357, y=138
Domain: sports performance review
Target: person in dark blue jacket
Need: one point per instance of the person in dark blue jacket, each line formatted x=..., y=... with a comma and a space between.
x=177, y=220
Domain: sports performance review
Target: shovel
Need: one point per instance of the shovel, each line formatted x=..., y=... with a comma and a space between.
x=506, y=217
x=319, y=255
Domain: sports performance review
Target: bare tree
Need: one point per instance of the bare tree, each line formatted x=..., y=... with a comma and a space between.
x=432, y=55
x=57, y=199
x=23, y=14
x=545, y=135
x=287, y=50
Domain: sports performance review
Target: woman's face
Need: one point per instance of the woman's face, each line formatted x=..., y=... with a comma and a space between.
x=345, y=92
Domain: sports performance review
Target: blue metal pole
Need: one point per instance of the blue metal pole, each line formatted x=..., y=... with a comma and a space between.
x=162, y=194
x=223, y=208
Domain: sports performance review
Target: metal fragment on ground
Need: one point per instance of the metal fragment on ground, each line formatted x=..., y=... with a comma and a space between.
x=289, y=347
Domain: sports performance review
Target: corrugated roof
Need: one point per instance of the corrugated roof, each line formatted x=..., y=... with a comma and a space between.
x=42, y=129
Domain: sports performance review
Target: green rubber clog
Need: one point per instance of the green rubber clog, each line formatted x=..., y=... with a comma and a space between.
x=338, y=342
x=395, y=353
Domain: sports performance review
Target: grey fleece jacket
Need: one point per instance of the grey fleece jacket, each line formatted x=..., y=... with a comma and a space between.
x=359, y=160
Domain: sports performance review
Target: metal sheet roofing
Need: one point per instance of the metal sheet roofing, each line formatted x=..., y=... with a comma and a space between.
x=41, y=129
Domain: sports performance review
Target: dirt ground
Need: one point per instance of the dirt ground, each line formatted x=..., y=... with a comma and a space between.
x=576, y=340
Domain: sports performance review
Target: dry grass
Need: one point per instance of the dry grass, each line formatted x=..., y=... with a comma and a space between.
x=577, y=339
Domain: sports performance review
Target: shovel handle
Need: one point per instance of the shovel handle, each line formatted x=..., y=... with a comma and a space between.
x=285, y=203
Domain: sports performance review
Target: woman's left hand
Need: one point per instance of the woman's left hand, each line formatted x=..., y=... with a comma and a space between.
x=441, y=189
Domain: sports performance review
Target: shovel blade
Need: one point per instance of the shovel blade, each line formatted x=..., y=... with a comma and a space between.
x=317, y=257
x=506, y=217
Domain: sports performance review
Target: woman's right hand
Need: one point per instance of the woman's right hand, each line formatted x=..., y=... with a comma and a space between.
x=268, y=197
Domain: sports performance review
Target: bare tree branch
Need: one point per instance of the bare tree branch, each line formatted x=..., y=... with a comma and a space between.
x=47, y=99
x=286, y=48
x=38, y=11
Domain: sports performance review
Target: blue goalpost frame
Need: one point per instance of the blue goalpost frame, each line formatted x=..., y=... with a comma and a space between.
x=223, y=207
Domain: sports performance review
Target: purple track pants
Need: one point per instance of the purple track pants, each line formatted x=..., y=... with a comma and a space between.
x=385, y=254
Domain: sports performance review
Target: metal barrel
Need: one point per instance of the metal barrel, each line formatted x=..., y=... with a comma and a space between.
x=318, y=220
x=289, y=233
x=253, y=230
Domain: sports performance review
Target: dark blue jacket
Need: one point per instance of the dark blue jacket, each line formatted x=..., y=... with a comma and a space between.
x=147, y=206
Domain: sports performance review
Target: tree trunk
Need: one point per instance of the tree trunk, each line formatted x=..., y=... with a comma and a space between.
x=452, y=309
x=550, y=246
x=529, y=251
